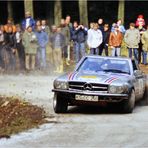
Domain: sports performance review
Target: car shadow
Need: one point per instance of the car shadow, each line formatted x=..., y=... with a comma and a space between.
x=110, y=109
x=93, y=110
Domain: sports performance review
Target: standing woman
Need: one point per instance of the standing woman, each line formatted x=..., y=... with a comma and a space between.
x=144, y=40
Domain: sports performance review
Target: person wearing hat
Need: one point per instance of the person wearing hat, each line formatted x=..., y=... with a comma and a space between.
x=28, y=21
x=132, y=40
x=115, y=41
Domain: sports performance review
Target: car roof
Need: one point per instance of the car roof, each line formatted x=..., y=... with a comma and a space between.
x=108, y=57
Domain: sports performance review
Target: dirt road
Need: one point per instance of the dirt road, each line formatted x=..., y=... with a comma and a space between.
x=81, y=127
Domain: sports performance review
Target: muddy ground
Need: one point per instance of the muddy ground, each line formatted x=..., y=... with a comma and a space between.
x=80, y=127
x=16, y=116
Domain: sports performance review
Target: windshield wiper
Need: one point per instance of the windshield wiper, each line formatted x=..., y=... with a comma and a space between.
x=115, y=71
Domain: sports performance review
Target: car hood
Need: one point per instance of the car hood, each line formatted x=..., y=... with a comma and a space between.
x=99, y=77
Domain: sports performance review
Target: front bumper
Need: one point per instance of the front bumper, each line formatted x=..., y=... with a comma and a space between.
x=70, y=94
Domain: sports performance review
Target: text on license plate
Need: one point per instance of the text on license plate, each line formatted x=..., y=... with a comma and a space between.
x=86, y=98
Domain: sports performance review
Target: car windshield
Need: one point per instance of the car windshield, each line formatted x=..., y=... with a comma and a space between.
x=105, y=65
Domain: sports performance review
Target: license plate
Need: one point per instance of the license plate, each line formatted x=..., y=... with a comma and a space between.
x=86, y=98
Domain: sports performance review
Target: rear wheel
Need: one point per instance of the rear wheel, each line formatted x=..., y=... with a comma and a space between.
x=60, y=104
x=127, y=106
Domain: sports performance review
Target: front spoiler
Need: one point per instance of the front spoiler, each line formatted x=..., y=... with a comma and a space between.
x=107, y=95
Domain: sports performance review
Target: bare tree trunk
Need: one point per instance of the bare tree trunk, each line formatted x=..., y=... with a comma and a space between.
x=10, y=9
x=28, y=5
x=57, y=12
x=83, y=12
x=50, y=12
x=121, y=6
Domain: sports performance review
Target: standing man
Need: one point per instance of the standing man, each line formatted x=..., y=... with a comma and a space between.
x=19, y=46
x=68, y=21
x=132, y=40
x=65, y=30
x=10, y=48
x=100, y=23
x=106, y=34
x=30, y=43
x=144, y=40
x=69, y=24
x=94, y=39
x=79, y=34
x=45, y=27
x=10, y=25
x=121, y=27
x=28, y=21
x=115, y=41
x=58, y=43
x=140, y=50
x=42, y=38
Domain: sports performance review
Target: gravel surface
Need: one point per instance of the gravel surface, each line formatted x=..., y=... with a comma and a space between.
x=81, y=127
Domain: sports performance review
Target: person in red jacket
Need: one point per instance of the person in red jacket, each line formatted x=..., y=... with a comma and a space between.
x=140, y=21
x=115, y=41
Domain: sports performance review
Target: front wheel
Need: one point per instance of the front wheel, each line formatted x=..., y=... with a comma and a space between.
x=127, y=106
x=60, y=104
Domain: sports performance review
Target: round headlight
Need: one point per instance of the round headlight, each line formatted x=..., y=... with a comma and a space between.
x=112, y=89
x=60, y=85
x=116, y=89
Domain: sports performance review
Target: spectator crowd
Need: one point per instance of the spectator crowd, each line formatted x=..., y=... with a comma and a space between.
x=68, y=41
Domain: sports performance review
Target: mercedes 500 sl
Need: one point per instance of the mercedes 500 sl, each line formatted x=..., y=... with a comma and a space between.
x=98, y=79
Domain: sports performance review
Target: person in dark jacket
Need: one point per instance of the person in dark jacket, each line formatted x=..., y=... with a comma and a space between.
x=100, y=23
x=79, y=34
x=19, y=47
x=140, y=50
x=106, y=34
x=10, y=48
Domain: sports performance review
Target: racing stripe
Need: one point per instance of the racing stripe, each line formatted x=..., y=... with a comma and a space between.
x=113, y=79
x=69, y=76
x=110, y=80
x=107, y=79
x=74, y=75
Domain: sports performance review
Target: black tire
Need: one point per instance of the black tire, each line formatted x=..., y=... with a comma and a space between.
x=127, y=106
x=60, y=104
